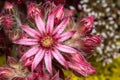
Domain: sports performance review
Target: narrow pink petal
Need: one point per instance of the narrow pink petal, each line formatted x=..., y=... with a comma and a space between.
x=60, y=28
x=57, y=55
x=56, y=76
x=66, y=49
x=30, y=52
x=30, y=31
x=66, y=35
x=37, y=59
x=26, y=41
x=50, y=23
x=39, y=23
x=48, y=61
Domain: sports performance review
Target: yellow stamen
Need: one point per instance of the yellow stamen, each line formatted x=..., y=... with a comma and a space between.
x=47, y=41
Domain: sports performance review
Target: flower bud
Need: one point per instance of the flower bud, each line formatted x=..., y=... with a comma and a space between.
x=59, y=13
x=79, y=65
x=15, y=34
x=33, y=10
x=11, y=61
x=8, y=8
x=8, y=22
x=89, y=43
x=5, y=73
x=86, y=25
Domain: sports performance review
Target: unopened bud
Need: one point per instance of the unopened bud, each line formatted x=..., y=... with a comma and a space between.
x=15, y=34
x=33, y=10
x=8, y=8
x=8, y=22
x=85, y=26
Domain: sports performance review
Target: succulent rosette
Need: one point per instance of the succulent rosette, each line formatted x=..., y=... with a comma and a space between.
x=47, y=41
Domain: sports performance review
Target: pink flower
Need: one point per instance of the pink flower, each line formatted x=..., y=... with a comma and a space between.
x=47, y=41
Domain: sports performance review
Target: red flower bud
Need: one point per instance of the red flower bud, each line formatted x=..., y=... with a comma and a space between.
x=86, y=25
x=8, y=8
x=92, y=41
x=15, y=34
x=8, y=22
x=33, y=10
x=79, y=65
x=89, y=43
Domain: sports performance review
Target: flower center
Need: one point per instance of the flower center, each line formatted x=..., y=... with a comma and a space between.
x=47, y=41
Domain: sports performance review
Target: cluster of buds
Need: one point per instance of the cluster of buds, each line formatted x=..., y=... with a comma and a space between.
x=84, y=39
x=107, y=24
x=48, y=41
x=14, y=70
